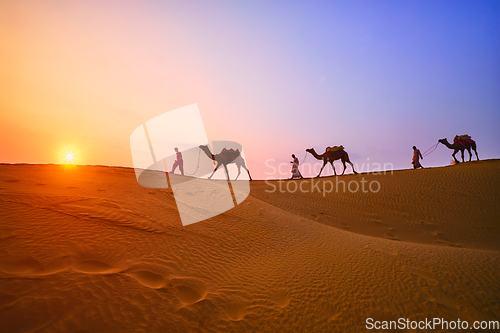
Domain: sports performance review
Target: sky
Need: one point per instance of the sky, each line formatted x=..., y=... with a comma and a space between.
x=278, y=77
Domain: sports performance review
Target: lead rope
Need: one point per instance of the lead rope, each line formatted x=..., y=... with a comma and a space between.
x=190, y=174
x=304, y=159
x=430, y=150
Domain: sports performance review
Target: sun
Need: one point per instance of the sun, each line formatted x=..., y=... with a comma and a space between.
x=69, y=155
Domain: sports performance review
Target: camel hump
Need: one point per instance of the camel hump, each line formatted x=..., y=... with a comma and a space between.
x=229, y=155
x=463, y=137
x=334, y=149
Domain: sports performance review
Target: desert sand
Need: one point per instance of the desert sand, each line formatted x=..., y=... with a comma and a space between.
x=87, y=249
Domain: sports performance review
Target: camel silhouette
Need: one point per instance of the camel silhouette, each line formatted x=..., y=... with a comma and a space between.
x=460, y=146
x=341, y=154
x=224, y=158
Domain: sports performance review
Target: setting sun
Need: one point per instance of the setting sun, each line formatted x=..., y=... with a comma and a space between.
x=69, y=155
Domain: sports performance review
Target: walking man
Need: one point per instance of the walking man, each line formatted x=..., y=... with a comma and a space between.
x=295, y=168
x=179, y=162
x=416, y=158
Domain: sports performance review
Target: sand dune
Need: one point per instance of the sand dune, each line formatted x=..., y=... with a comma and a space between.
x=86, y=249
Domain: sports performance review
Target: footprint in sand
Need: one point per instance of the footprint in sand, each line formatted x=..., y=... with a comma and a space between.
x=426, y=222
x=331, y=313
x=421, y=275
x=150, y=276
x=20, y=265
x=434, y=294
x=441, y=239
x=378, y=222
x=383, y=249
x=55, y=266
x=92, y=266
x=149, y=279
x=281, y=298
x=449, y=304
x=321, y=216
x=391, y=236
x=236, y=311
x=27, y=265
x=189, y=290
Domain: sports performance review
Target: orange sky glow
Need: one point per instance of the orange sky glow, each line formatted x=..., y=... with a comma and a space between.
x=87, y=73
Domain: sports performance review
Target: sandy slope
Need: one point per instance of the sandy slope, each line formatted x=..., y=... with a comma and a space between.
x=86, y=249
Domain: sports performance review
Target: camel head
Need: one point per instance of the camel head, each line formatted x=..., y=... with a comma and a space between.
x=205, y=148
x=310, y=150
x=443, y=140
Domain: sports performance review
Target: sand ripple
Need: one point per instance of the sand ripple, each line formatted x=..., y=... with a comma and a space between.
x=92, y=251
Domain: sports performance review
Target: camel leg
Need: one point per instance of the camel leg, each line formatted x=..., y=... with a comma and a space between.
x=453, y=155
x=476, y=154
x=333, y=167
x=470, y=155
x=216, y=167
x=248, y=171
x=349, y=161
x=227, y=172
x=352, y=166
x=343, y=163
x=319, y=174
x=462, y=153
x=239, y=171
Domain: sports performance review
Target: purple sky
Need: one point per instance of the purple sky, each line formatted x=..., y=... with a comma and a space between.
x=375, y=76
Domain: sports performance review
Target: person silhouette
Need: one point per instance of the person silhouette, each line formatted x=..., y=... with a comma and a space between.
x=295, y=168
x=416, y=158
x=179, y=162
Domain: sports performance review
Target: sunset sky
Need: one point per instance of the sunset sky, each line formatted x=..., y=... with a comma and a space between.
x=278, y=77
